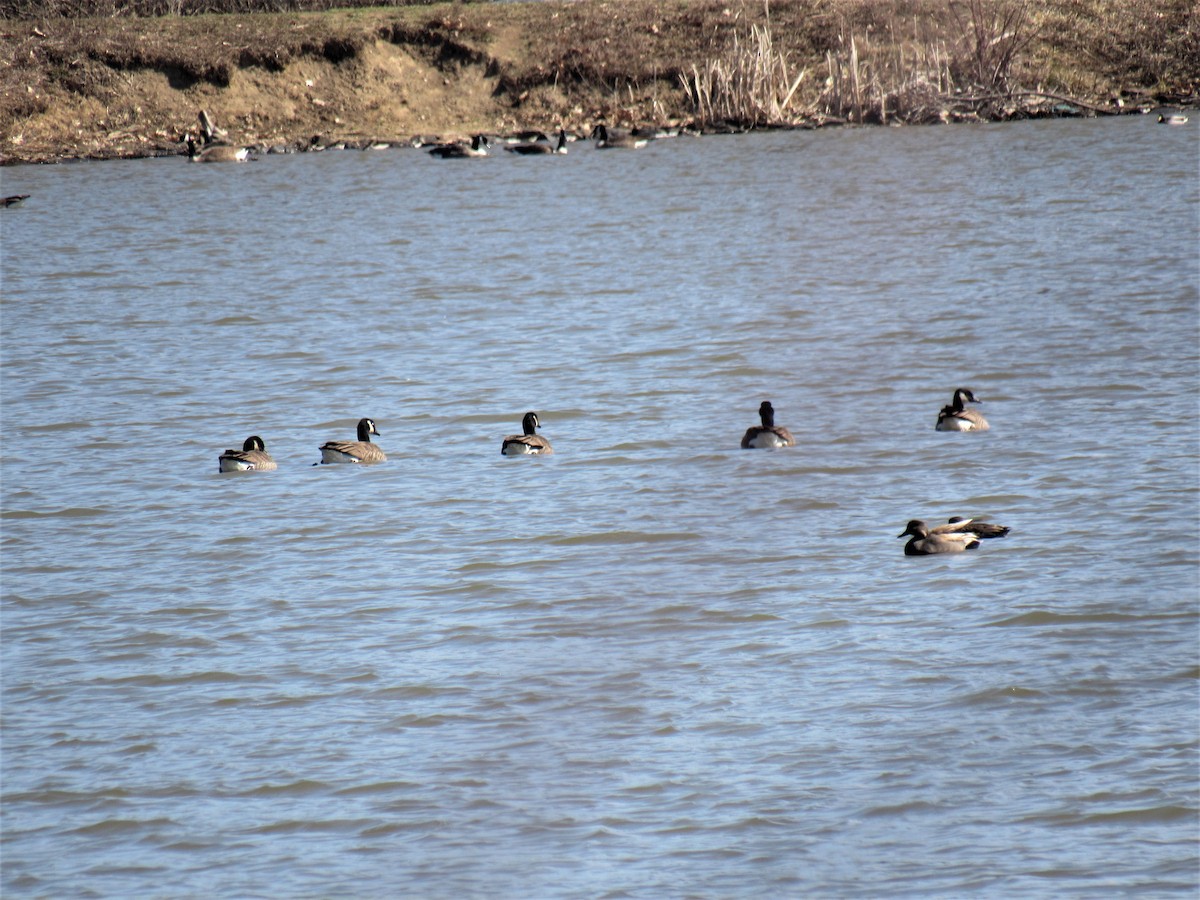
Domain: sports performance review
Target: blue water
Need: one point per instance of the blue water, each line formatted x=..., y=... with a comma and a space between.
x=652, y=664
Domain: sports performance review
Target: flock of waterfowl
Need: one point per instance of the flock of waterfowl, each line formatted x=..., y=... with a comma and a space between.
x=210, y=148
x=957, y=535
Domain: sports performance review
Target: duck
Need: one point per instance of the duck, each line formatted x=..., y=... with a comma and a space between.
x=15, y=200
x=360, y=451
x=216, y=152
x=956, y=417
x=540, y=147
x=925, y=541
x=616, y=139
x=478, y=147
x=530, y=443
x=253, y=457
x=1172, y=119
x=768, y=434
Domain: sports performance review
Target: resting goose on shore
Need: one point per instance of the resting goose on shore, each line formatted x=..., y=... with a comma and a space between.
x=478, y=147
x=956, y=417
x=253, y=457
x=536, y=148
x=528, y=444
x=614, y=139
x=360, y=451
x=768, y=434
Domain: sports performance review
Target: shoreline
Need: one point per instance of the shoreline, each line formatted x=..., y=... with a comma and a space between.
x=130, y=88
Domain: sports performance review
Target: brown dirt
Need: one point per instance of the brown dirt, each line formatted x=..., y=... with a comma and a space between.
x=131, y=87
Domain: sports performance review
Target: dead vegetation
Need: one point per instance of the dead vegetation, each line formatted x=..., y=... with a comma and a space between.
x=67, y=83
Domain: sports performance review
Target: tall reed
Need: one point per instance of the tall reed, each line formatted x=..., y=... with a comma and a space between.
x=750, y=85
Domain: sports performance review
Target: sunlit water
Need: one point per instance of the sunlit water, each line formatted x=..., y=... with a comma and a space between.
x=653, y=664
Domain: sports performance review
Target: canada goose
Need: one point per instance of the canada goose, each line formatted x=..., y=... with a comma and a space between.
x=216, y=152
x=528, y=444
x=360, y=451
x=17, y=199
x=253, y=457
x=532, y=149
x=768, y=434
x=1172, y=119
x=956, y=417
x=478, y=147
x=959, y=525
x=923, y=541
x=616, y=139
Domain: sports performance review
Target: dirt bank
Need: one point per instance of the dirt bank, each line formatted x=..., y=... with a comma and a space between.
x=119, y=87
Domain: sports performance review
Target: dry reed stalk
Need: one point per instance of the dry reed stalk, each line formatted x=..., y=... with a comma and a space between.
x=750, y=86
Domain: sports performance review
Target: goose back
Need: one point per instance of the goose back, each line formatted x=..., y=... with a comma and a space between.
x=253, y=457
x=359, y=451
x=956, y=417
x=529, y=443
x=767, y=434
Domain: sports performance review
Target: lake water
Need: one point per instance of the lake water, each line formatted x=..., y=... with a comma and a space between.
x=652, y=664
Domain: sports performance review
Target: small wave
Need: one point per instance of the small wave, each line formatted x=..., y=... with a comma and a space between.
x=624, y=537
x=900, y=809
x=377, y=787
x=1045, y=617
x=73, y=512
x=121, y=826
x=991, y=696
x=1166, y=813
x=189, y=679
x=301, y=787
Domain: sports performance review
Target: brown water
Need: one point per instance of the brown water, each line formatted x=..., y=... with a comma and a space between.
x=652, y=665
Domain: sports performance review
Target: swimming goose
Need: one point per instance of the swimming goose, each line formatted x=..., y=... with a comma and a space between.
x=768, y=434
x=534, y=148
x=216, y=152
x=924, y=541
x=528, y=444
x=616, y=139
x=956, y=417
x=478, y=147
x=1172, y=119
x=253, y=457
x=360, y=451
x=18, y=199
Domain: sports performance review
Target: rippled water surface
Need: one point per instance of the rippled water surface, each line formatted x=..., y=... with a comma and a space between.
x=653, y=664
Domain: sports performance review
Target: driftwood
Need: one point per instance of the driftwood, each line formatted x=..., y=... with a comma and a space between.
x=1061, y=98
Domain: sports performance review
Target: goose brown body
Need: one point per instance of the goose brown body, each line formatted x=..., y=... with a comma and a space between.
x=541, y=148
x=956, y=417
x=253, y=457
x=767, y=434
x=360, y=451
x=478, y=147
x=615, y=139
x=530, y=443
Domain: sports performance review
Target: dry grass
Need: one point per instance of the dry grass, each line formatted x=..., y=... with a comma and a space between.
x=751, y=85
x=718, y=62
